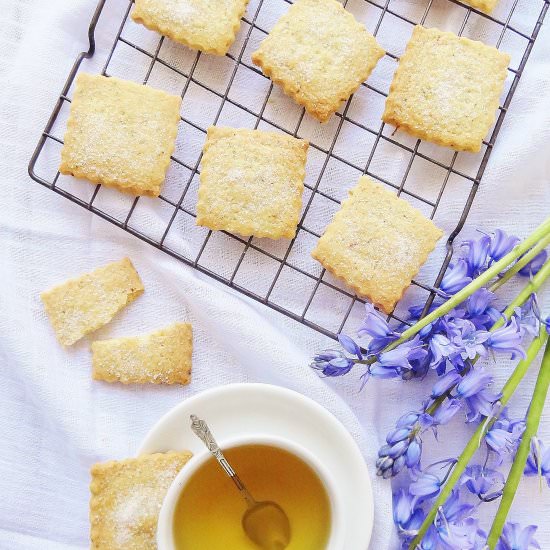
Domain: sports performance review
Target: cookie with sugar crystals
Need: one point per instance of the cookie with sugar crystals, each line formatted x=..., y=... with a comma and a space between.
x=126, y=497
x=162, y=357
x=376, y=243
x=84, y=304
x=120, y=134
x=206, y=25
x=446, y=89
x=251, y=182
x=320, y=54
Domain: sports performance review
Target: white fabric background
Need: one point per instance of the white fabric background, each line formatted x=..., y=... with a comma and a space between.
x=55, y=422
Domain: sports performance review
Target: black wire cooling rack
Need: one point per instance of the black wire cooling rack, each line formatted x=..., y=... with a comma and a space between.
x=281, y=274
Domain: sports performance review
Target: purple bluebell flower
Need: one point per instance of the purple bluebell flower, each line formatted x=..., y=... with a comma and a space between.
x=375, y=326
x=332, y=363
x=474, y=382
x=515, y=538
x=481, y=404
x=382, y=371
x=398, y=435
x=403, y=448
x=447, y=530
x=408, y=420
x=504, y=436
x=445, y=383
x=529, y=316
x=350, y=345
x=440, y=348
x=482, y=481
x=408, y=428
x=456, y=278
x=547, y=324
x=501, y=244
x=479, y=399
x=446, y=411
x=533, y=267
x=398, y=449
x=463, y=534
x=398, y=464
x=384, y=464
x=468, y=339
x=403, y=508
x=426, y=486
x=454, y=509
x=429, y=542
x=538, y=461
x=413, y=454
x=420, y=364
x=479, y=301
x=397, y=361
x=507, y=339
x=406, y=515
x=478, y=250
x=425, y=420
x=451, y=324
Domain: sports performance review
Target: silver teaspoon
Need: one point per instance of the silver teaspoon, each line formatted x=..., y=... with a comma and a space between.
x=265, y=522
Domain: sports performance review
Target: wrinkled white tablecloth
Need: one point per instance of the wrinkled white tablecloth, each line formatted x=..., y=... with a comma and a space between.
x=55, y=422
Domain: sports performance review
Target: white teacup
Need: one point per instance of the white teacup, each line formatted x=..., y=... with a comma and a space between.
x=165, y=529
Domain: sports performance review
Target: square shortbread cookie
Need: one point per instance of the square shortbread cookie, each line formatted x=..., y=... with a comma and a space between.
x=120, y=134
x=162, y=357
x=376, y=243
x=206, y=25
x=81, y=305
x=126, y=497
x=320, y=54
x=251, y=182
x=486, y=6
x=446, y=89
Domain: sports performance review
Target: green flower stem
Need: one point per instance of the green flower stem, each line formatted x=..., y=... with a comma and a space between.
x=531, y=287
x=521, y=263
x=518, y=466
x=541, y=232
x=475, y=441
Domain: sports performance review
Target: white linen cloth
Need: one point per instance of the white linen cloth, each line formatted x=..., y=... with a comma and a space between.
x=55, y=421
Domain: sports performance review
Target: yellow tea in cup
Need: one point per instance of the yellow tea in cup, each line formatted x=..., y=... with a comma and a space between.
x=210, y=508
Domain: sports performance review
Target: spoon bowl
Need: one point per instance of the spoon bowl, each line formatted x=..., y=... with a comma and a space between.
x=266, y=524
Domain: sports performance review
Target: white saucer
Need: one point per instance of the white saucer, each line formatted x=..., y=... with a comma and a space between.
x=263, y=409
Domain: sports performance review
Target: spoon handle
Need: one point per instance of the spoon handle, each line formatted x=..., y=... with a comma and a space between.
x=202, y=431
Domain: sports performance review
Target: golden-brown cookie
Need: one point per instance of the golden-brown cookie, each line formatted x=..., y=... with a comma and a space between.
x=120, y=134
x=320, y=54
x=162, y=357
x=84, y=304
x=446, y=89
x=486, y=6
x=126, y=497
x=376, y=243
x=206, y=25
x=251, y=182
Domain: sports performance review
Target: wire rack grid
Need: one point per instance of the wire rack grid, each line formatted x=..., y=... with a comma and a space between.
x=280, y=274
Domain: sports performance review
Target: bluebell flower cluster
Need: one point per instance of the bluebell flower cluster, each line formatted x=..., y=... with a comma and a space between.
x=454, y=526
x=449, y=349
